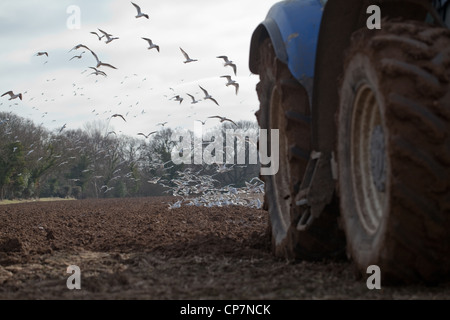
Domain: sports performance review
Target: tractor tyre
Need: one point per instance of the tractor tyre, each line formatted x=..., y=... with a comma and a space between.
x=393, y=152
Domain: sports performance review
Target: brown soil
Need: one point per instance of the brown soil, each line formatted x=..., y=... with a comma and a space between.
x=139, y=249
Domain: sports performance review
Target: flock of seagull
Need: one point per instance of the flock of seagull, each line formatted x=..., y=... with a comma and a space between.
x=210, y=196
x=199, y=190
x=98, y=68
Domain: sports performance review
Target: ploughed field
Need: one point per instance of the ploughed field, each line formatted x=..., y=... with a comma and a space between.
x=141, y=249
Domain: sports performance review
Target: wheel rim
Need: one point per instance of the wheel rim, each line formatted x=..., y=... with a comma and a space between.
x=368, y=159
x=280, y=181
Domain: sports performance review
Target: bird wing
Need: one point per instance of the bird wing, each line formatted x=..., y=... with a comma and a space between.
x=105, y=33
x=185, y=54
x=218, y=117
x=234, y=67
x=9, y=92
x=206, y=92
x=228, y=78
x=150, y=42
x=214, y=100
x=107, y=65
x=137, y=8
x=223, y=57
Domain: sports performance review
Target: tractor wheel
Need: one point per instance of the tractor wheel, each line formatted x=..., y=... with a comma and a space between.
x=284, y=106
x=393, y=152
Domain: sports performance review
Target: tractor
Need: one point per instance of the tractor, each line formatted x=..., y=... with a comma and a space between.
x=362, y=108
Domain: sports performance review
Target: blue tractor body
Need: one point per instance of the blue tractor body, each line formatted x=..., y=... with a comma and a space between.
x=293, y=27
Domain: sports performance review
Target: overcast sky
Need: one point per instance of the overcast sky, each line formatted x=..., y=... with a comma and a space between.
x=57, y=90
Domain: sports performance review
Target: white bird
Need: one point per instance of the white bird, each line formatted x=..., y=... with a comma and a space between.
x=231, y=83
x=178, y=98
x=228, y=63
x=139, y=12
x=99, y=63
x=151, y=44
x=203, y=122
x=62, y=128
x=154, y=180
x=193, y=99
x=78, y=57
x=162, y=124
x=208, y=96
x=97, y=72
x=188, y=59
x=12, y=95
x=222, y=119
x=118, y=115
x=99, y=38
x=146, y=135
x=78, y=46
x=109, y=37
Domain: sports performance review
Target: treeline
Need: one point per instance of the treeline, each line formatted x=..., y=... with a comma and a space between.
x=92, y=163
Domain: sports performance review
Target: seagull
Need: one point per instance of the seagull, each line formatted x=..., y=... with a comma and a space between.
x=208, y=96
x=222, y=119
x=151, y=44
x=99, y=63
x=98, y=72
x=62, y=128
x=99, y=38
x=78, y=46
x=79, y=57
x=231, y=83
x=139, y=12
x=146, y=136
x=42, y=53
x=118, y=115
x=228, y=63
x=188, y=59
x=162, y=124
x=109, y=37
x=203, y=122
x=193, y=99
x=12, y=95
x=154, y=180
x=178, y=98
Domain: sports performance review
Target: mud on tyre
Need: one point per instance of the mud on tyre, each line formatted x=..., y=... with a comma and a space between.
x=284, y=105
x=394, y=151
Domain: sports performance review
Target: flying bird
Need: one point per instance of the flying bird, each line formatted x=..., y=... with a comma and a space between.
x=78, y=46
x=203, y=122
x=78, y=57
x=99, y=37
x=109, y=37
x=151, y=44
x=193, y=99
x=12, y=95
x=222, y=119
x=208, y=96
x=228, y=63
x=188, y=59
x=146, y=135
x=162, y=124
x=42, y=53
x=97, y=72
x=178, y=98
x=231, y=83
x=99, y=63
x=62, y=128
x=139, y=12
x=118, y=115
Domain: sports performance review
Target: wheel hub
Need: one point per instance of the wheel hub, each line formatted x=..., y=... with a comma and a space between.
x=368, y=159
